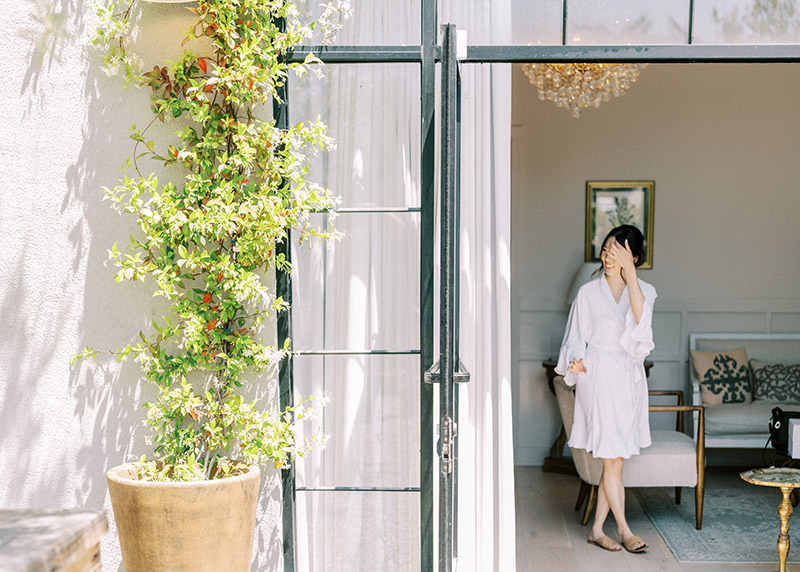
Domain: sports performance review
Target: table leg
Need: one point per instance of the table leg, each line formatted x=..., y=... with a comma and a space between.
x=557, y=449
x=785, y=512
x=556, y=462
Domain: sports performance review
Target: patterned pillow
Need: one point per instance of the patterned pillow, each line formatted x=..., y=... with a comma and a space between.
x=775, y=381
x=724, y=376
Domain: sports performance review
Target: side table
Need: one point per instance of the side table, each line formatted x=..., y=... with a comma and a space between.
x=556, y=462
x=787, y=479
x=50, y=541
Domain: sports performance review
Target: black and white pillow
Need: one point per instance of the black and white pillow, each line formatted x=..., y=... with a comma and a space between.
x=724, y=376
x=775, y=381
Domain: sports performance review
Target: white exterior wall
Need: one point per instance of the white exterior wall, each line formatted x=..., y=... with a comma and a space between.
x=721, y=142
x=64, y=137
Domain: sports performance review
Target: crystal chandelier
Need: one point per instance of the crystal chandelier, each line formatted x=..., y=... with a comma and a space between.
x=578, y=86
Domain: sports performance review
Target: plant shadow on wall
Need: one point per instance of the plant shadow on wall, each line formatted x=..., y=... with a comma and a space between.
x=38, y=306
x=108, y=396
x=210, y=240
x=53, y=27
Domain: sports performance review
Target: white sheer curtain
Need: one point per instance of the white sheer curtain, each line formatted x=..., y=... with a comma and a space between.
x=364, y=294
x=486, y=527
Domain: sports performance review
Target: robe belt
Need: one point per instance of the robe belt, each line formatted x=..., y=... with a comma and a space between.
x=634, y=370
x=614, y=348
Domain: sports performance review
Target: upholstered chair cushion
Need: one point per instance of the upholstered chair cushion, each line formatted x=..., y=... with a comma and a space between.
x=671, y=461
x=724, y=376
x=775, y=381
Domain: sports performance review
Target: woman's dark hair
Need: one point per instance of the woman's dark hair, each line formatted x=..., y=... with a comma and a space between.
x=634, y=237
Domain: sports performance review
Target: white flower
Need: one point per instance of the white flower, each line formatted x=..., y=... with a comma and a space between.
x=332, y=19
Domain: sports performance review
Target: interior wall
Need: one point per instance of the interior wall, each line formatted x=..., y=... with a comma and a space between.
x=721, y=143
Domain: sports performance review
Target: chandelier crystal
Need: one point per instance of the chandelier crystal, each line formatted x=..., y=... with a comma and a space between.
x=579, y=86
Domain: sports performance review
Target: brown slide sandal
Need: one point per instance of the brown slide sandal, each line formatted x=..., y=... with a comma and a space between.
x=634, y=544
x=606, y=543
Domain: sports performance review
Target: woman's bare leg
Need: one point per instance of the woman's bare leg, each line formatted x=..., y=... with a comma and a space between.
x=614, y=490
x=601, y=513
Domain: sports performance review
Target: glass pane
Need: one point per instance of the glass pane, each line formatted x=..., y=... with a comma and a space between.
x=746, y=22
x=627, y=22
x=486, y=23
x=373, y=114
x=371, y=23
x=537, y=22
x=361, y=293
x=372, y=420
x=358, y=532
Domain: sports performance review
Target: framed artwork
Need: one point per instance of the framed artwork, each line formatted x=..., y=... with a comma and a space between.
x=612, y=203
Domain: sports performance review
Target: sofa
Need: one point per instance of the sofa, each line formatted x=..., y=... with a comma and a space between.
x=739, y=378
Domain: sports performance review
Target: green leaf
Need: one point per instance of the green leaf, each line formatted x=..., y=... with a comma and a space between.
x=216, y=226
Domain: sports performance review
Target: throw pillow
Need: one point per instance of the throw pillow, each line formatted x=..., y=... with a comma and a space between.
x=724, y=376
x=775, y=381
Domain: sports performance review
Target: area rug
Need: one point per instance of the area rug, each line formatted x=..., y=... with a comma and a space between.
x=739, y=524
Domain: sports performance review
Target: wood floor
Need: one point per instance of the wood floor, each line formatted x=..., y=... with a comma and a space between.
x=550, y=537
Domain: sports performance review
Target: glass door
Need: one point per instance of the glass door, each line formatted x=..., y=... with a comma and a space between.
x=363, y=326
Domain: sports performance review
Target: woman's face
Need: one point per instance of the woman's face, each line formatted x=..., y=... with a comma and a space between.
x=609, y=264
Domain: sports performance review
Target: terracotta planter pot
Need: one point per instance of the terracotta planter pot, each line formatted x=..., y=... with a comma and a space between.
x=192, y=527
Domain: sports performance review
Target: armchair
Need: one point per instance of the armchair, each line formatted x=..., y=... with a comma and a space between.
x=673, y=460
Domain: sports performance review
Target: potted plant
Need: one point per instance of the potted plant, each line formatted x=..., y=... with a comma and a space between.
x=208, y=244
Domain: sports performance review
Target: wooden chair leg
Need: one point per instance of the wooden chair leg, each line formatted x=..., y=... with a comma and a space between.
x=698, y=503
x=590, y=504
x=582, y=495
x=677, y=495
x=699, y=491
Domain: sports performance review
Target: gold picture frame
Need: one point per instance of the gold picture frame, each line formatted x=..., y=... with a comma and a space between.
x=612, y=203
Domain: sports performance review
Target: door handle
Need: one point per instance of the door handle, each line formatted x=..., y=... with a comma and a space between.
x=460, y=375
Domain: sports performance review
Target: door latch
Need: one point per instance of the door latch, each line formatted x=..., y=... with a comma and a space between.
x=447, y=433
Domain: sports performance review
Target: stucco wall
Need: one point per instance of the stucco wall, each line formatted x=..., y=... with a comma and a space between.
x=65, y=135
x=721, y=143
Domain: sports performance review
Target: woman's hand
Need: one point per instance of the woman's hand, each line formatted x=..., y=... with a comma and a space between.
x=622, y=257
x=576, y=366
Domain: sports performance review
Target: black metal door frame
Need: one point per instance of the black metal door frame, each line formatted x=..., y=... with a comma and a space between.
x=449, y=301
x=428, y=55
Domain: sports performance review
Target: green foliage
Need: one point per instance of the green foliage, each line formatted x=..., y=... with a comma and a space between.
x=209, y=243
x=766, y=20
x=621, y=214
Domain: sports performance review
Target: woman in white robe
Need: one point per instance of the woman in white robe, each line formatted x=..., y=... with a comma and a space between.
x=608, y=336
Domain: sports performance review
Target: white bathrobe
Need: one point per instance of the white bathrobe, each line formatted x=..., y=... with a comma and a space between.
x=611, y=415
